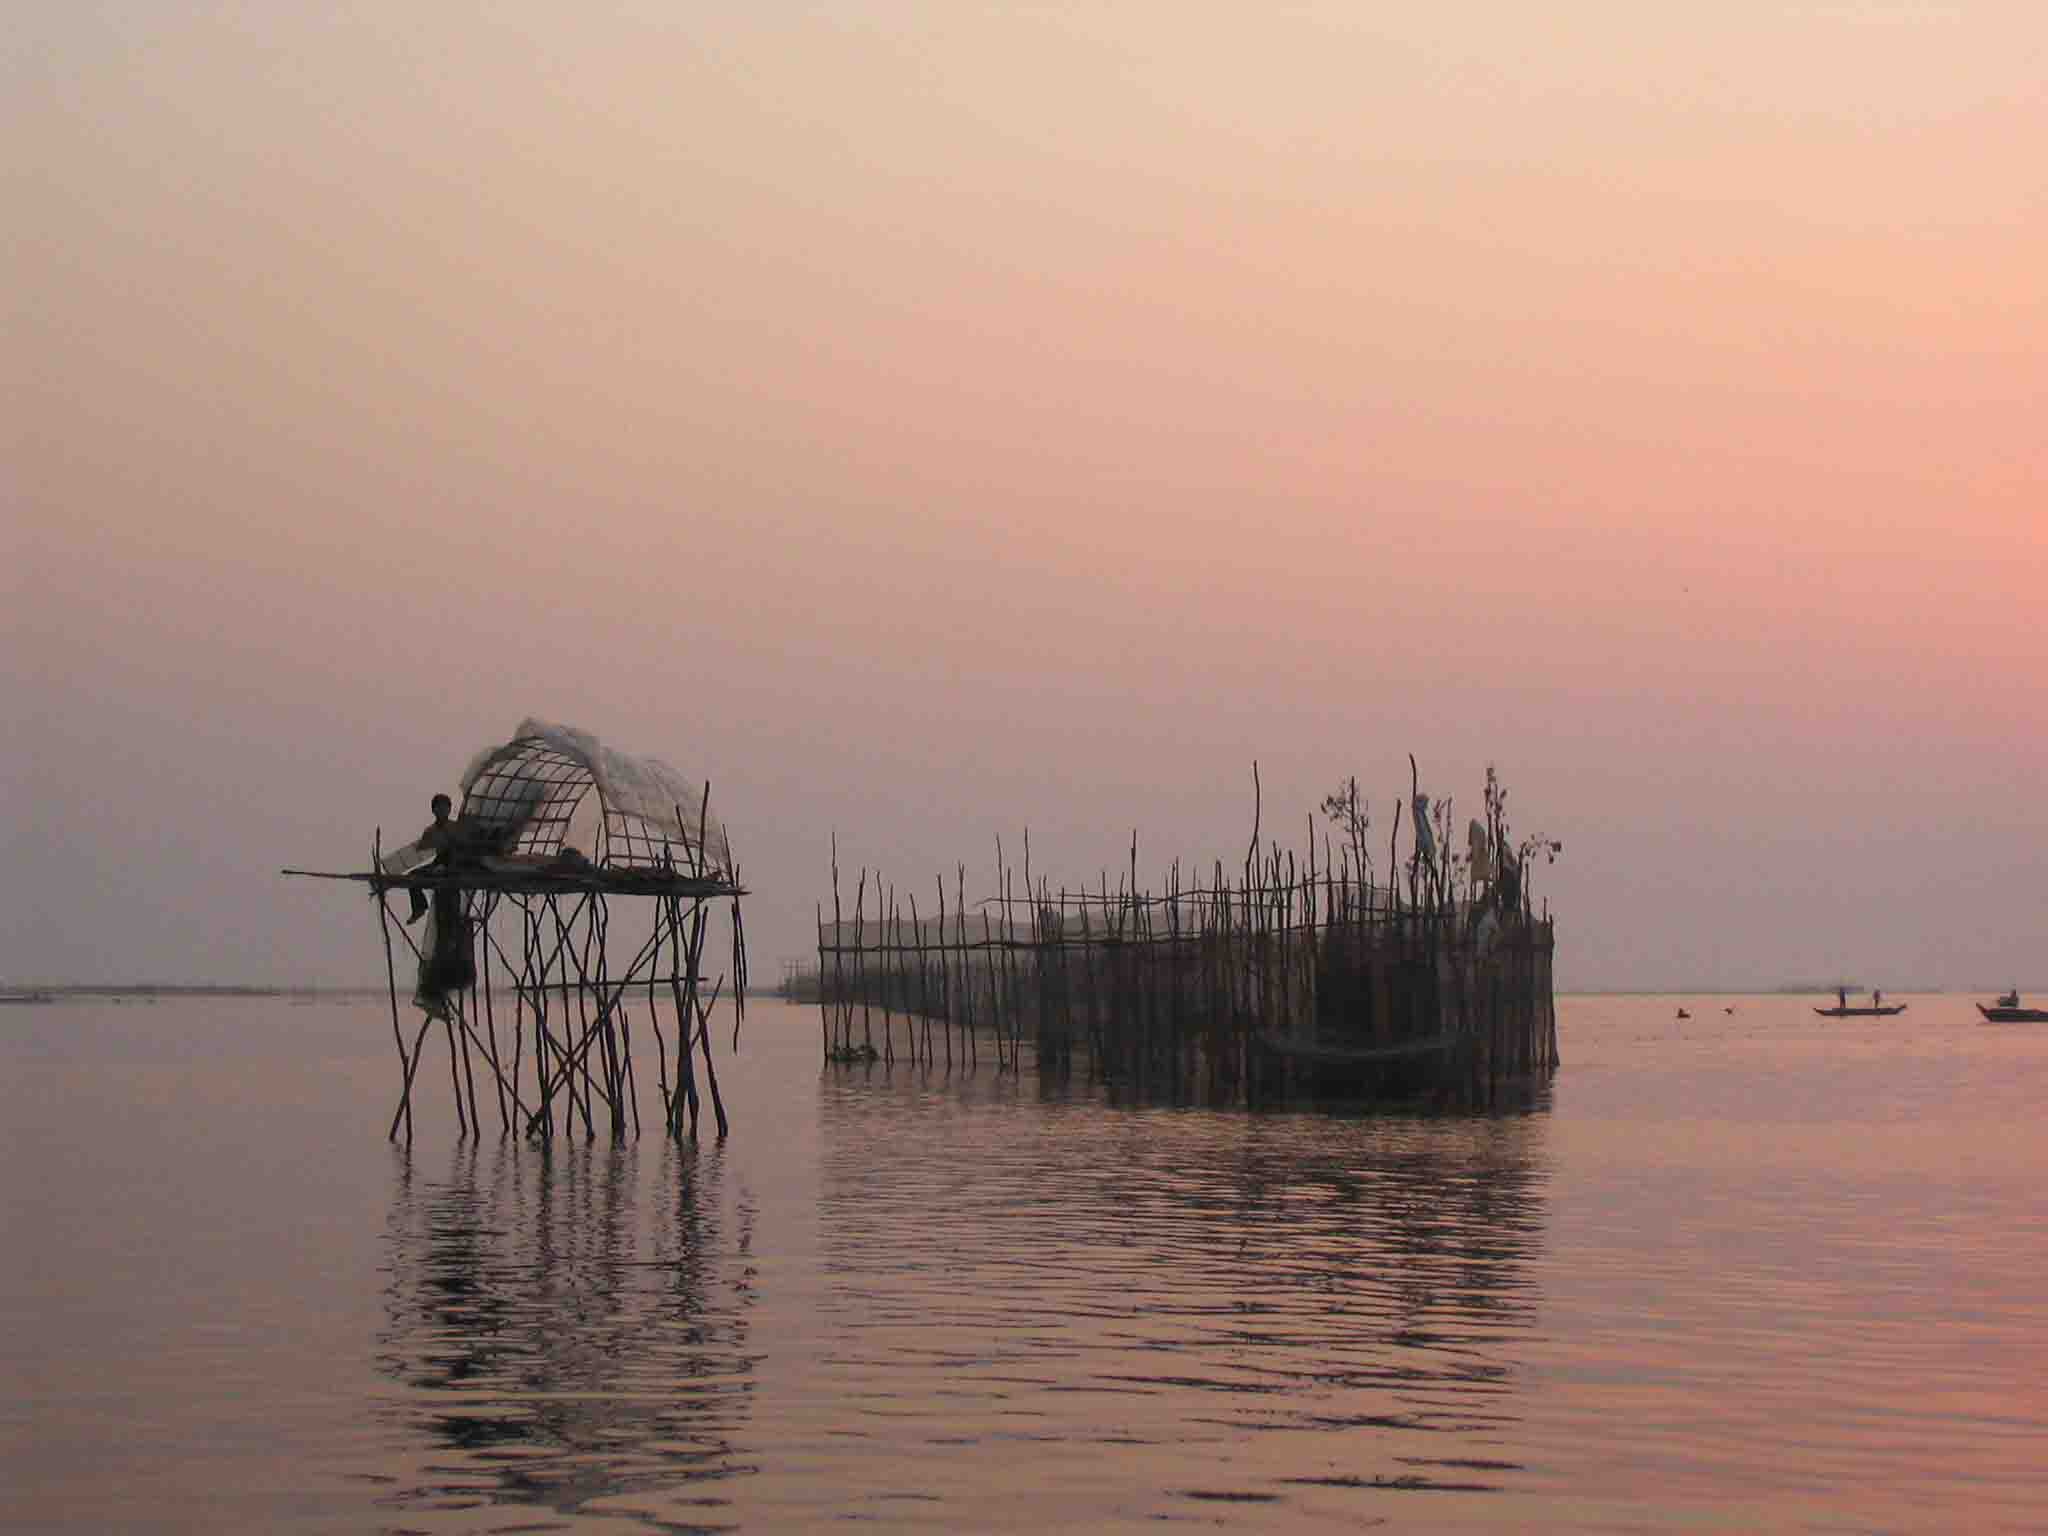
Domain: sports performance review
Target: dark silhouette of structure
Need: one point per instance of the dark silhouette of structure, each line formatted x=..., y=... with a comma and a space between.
x=1285, y=977
x=523, y=965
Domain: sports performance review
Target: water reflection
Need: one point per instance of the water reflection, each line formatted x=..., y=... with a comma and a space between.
x=572, y=1326
x=1353, y=1289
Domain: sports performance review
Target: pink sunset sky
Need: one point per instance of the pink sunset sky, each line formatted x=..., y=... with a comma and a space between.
x=933, y=420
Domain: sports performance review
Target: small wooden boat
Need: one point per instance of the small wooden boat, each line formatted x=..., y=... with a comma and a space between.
x=1873, y=1012
x=1349, y=1056
x=2007, y=1010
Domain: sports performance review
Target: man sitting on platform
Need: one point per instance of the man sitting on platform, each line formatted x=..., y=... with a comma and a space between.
x=440, y=839
x=446, y=962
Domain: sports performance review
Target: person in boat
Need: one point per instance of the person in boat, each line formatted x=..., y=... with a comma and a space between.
x=1842, y=998
x=2011, y=999
x=1876, y=999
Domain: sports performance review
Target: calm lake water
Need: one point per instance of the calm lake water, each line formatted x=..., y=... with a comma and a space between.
x=1754, y=1271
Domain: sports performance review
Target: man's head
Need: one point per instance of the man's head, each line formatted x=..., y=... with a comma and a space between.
x=442, y=806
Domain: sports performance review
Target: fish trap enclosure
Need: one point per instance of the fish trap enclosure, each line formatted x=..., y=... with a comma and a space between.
x=1287, y=976
x=565, y=916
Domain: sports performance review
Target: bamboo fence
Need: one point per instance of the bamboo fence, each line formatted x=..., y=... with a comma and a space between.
x=1281, y=977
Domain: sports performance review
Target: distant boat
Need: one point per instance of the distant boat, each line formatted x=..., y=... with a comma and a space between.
x=33, y=995
x=2007, y=1010
x=1862, y=1013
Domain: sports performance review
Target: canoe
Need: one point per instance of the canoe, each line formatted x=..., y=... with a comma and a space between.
x=1861, y=1013
x=1351, y=1056
x=2004, y=1015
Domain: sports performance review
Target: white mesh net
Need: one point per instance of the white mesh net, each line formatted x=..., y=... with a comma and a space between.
x=533, y=787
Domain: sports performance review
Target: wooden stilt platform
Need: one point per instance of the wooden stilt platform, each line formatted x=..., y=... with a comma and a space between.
x=541, y=967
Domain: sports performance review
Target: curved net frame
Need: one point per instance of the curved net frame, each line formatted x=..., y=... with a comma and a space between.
x=528, y=792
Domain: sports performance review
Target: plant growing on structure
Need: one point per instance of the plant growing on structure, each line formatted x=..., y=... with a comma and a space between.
x=1450, y=864
x=1433, y=863
x=1511, y=860
x=1349, y=813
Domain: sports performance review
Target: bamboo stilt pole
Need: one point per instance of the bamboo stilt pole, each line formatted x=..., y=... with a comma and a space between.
x=391, y=977
x=412, y=1067
x=491, y=1019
